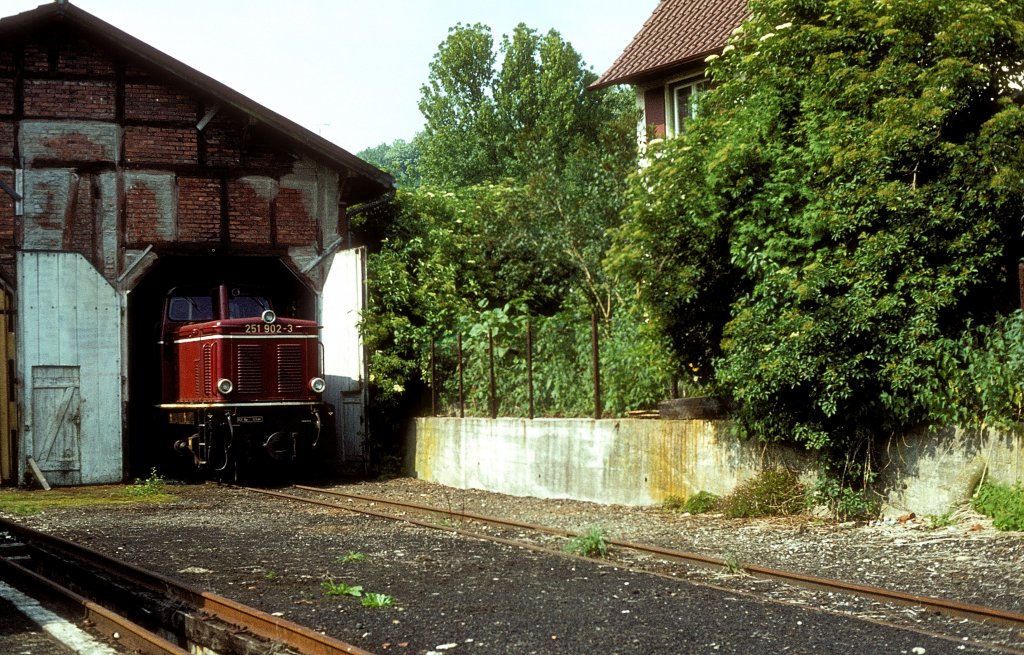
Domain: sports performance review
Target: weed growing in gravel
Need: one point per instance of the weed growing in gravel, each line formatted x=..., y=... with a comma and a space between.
x=270, y=575
x=591, y=544
x=936, y=521
x=377, y=600
x=770, y=493
x=151, y=486
x=351, y=557
x=341, y=589
x=1003, y=503
x=699, y=503
x=732, y=563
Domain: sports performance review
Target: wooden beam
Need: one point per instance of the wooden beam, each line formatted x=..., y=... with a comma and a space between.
x=36, y=471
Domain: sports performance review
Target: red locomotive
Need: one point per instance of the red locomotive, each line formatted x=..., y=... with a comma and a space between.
x=241, y=386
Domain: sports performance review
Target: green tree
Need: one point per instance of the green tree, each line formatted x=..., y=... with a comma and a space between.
x=485, y=123
x=457, y=147
x=400, y=158
x=524, y=172
x=848, y=205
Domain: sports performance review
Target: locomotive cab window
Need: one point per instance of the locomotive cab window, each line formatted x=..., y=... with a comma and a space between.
x=247, y=306
x=190, y=308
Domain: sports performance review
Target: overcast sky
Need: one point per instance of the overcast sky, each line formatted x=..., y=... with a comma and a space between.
x=349, y=70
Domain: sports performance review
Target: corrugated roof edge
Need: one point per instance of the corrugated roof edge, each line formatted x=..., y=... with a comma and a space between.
x=313, y=143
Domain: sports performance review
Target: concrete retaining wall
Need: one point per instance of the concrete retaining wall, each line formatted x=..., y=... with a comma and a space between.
x=928, y=473
x=643, y=462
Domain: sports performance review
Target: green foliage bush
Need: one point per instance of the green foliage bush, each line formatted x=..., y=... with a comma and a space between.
x=770, y=493
x=698, y=503
x=522, y=175
x=562, y=368
x=1005, y=504
x=979, y=376
x=840, y=227
x=842, y=501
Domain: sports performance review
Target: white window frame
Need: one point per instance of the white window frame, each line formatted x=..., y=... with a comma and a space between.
x=681, y=97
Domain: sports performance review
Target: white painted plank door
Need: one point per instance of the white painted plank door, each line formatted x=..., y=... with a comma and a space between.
x=344, y=298
x=69, y=317
x=56, y=417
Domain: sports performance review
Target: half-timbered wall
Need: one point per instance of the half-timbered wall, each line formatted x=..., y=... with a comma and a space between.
x=114, y=160
x=118, y=165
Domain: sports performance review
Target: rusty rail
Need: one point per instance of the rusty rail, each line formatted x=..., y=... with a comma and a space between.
x=939, y=605
x=130, y=634
x=256, y=622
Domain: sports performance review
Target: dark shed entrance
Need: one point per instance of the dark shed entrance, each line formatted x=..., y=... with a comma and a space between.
x=144, y=449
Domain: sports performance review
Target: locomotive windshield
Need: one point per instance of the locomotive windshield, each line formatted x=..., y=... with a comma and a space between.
x=196, y=307
x=190, y=308
x=247, y=306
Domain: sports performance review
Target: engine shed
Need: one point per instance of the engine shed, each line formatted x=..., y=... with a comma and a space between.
x=123, y=174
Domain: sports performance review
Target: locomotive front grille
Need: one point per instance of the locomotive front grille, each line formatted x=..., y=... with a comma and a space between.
x=205, y=378
x=289, y=368
x=250, y=369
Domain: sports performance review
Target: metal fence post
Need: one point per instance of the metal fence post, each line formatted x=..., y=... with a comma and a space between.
x=493, y=386
x=433, y=379
x=595, y=353
x=462, y=397
x=529, y=365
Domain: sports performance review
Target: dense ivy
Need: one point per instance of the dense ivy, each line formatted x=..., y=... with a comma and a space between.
x=846, y=208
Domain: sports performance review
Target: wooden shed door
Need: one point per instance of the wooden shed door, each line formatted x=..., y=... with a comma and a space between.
x=56, y=417
x=344, y=297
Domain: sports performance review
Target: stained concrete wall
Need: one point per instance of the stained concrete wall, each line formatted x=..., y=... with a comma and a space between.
x=644, y=462
x=616, y=461
x=930, y=472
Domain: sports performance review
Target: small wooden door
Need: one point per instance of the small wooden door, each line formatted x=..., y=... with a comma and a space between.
x=56, y=421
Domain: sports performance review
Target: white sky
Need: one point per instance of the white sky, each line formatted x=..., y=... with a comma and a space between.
x=349, y=70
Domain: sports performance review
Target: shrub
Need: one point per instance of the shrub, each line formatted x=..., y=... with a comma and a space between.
x=842, y=501
x=699, y=503
x=1003, y=503
x=770, y=493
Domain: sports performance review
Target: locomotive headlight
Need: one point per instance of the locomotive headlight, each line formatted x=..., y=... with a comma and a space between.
x=268, y=316
x=317, y=385
x=225, y=386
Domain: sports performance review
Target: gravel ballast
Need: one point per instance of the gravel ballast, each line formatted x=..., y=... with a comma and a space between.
x=460, y=595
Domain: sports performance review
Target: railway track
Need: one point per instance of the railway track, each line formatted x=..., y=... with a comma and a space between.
x=148, y=612
x=429, y=515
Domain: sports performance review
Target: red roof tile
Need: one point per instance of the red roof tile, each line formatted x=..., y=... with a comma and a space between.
x=677, y=32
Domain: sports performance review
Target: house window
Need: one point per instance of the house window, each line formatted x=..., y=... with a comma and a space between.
x=682, y=101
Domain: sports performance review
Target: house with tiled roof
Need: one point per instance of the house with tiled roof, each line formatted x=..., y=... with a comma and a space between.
x=665, y=60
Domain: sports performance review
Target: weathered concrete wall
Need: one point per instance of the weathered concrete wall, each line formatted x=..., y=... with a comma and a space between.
x=928, y=473
x=619, y=461
x=643, y=462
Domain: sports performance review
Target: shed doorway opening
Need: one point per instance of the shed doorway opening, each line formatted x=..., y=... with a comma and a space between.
x=146, y=446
